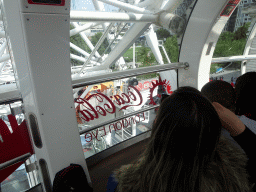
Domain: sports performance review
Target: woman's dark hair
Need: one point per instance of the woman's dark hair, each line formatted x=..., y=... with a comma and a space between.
x=185, y=151
x=245, y=102
x=183, y=142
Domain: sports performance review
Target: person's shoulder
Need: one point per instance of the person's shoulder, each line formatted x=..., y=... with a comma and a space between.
x=250, y=123
x=246, y=119
x=129, y=171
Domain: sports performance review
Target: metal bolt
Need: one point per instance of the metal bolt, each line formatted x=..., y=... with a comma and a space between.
x=27, y=19
x=26, y=6
x=187, y=66
x=66, y=9
x=42, y=114
x=71, y=107
x=65, y=19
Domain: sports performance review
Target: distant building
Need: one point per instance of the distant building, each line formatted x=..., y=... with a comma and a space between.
x=239, y=18
x=93, y=30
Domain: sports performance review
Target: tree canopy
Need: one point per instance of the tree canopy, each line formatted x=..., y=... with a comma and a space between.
x=172, y=49
x=230, y=44
x=162, y=34
x=104, y=45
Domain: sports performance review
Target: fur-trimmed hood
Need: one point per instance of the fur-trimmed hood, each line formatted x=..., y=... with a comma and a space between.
x=233, y=160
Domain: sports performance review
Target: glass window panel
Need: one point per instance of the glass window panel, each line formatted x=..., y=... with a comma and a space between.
x=96, y=104
x=19, y=180
x=112, y=134
x=7, y=78
x=231, y=42
x=143, y=56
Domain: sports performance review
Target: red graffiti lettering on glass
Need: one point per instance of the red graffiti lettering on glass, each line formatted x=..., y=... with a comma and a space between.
x=90, y=113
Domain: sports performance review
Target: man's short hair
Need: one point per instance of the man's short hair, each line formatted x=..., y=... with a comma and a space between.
x=221, y=92
x=246, y=103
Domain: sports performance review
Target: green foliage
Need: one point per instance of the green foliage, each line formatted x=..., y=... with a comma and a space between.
x=226, y=36
x=225, y=48
x=162, y=33
x=128, y=55
x=104, y=45
x=241, y=31
x=172, y=49
x=78, y=41
x=230, y=44
x=145, y=56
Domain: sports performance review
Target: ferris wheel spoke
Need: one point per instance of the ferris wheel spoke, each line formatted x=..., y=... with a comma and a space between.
x=139, y=12
x=99, y=6
x=83, y=28
x=4, y=57
x=76, y=16
x=126, y=6
x=87, y=41
x=2, y=34
x=124, y=44
x=171, y=5
x=3, y=48
x=102, y=38
x=78, y=49
x=82, y=59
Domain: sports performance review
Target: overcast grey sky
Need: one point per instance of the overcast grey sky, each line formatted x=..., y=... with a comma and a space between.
x=87, y=5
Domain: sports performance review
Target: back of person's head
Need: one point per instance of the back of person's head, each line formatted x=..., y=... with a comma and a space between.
x=246, y=96
x=183, y=142
x=221, y=92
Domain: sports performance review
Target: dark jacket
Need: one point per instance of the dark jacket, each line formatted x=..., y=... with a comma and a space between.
x=226, y=148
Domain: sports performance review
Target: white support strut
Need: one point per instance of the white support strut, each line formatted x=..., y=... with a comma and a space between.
x=72, y=56
x=87, y=41
x=233, y=58
x=2, y=49
x=102, y=38
x=126, y=6
x=2, y=34
x=81, y=51
x=76, y=16
x=82, y=28
x=5, y=57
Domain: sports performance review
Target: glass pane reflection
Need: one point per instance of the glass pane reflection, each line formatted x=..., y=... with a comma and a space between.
x=105, y=137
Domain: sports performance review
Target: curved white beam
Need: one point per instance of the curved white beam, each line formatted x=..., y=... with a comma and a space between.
x=248, y=47
x=198, y=45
